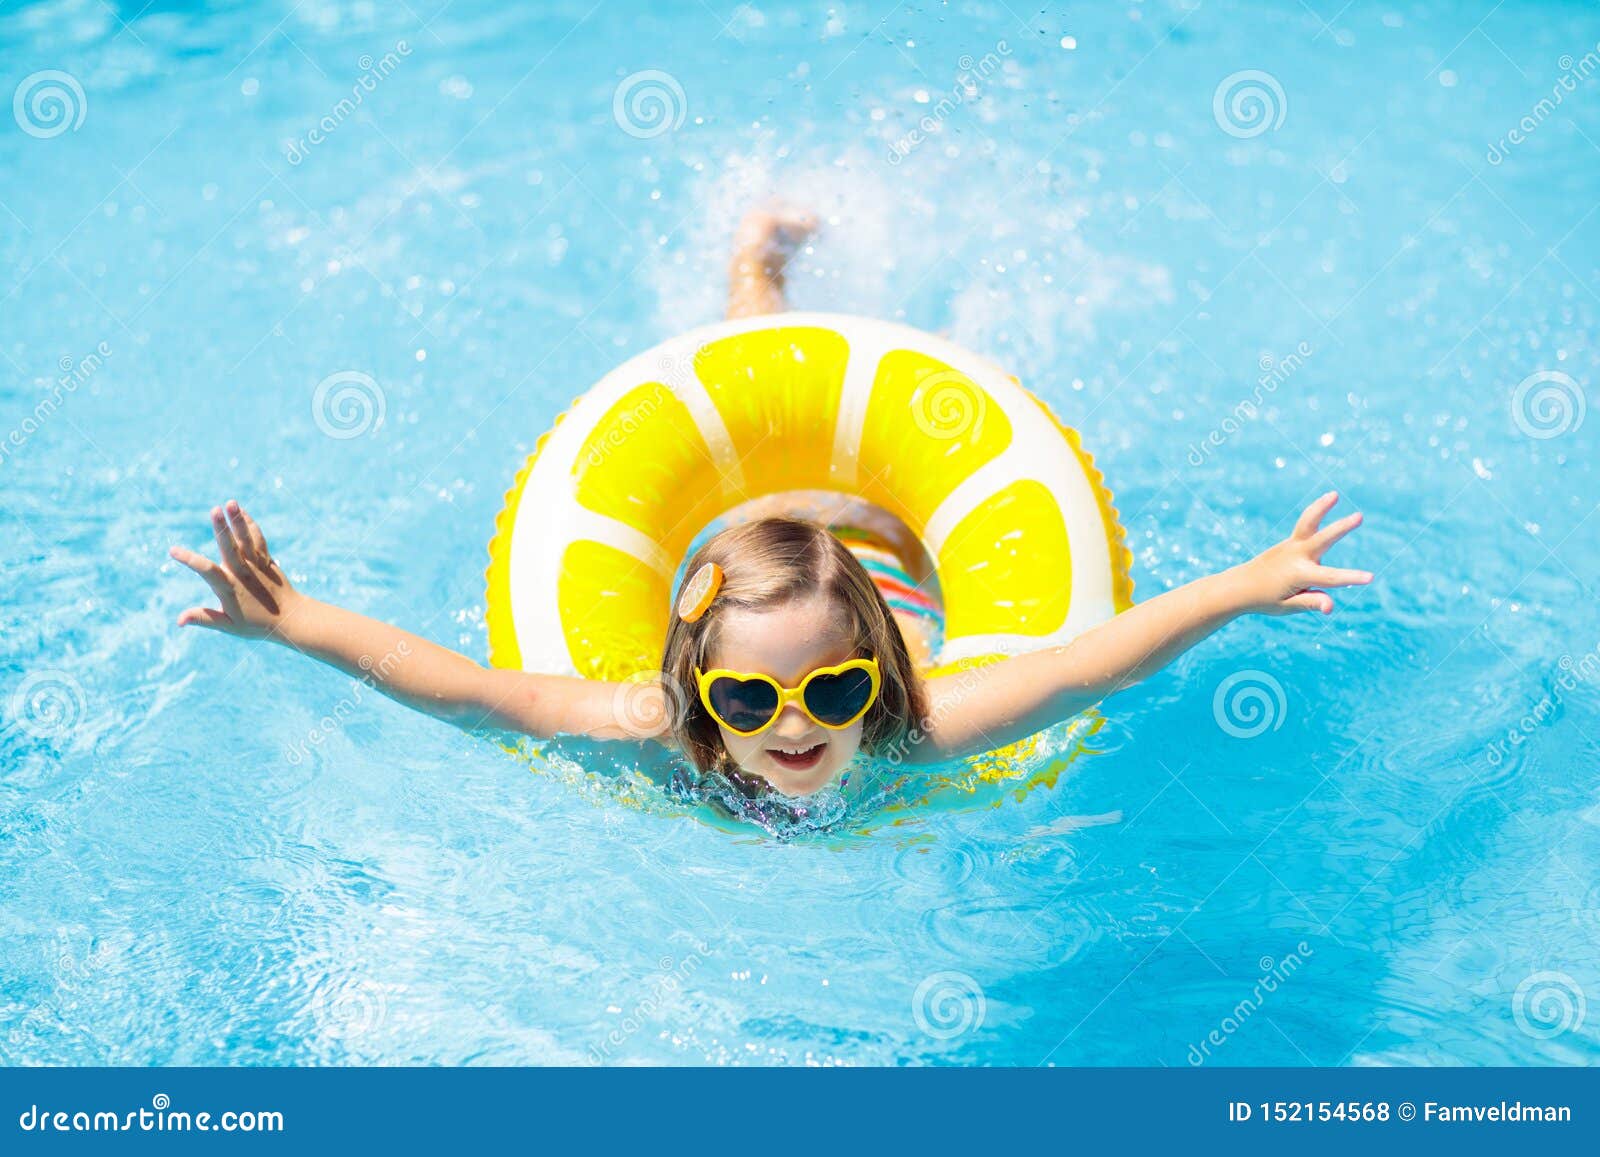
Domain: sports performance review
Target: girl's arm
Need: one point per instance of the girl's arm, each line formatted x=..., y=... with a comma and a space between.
x=988, y=707
x=259, y=603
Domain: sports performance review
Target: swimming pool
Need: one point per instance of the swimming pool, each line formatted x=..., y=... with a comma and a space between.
x=1250, y=252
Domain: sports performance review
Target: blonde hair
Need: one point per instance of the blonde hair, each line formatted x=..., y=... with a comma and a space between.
x=765, y=564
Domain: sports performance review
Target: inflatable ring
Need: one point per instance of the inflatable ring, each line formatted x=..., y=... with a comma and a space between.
x=1021, y=528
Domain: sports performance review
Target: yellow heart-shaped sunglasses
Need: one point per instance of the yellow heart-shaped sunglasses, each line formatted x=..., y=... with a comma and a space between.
x=831, y=697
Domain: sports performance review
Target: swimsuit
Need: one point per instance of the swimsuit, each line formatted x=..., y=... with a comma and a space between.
x=889, y=575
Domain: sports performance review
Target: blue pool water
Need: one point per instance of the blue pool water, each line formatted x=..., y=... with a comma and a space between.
x=1368, y=839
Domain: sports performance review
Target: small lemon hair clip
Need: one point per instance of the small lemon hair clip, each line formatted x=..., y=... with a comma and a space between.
x=699, y=592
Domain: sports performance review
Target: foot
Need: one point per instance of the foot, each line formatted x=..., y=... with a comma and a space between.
x=762, y=247
x=771, y=236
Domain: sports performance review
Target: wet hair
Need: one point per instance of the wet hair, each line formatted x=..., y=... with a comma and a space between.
x=766, y=564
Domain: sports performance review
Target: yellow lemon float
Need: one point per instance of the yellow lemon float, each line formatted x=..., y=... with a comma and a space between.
x=1012, y=511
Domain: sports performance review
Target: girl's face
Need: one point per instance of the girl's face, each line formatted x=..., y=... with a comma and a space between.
x=794, y=755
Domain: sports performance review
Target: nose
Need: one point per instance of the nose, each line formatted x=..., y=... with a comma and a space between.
x=792, y=724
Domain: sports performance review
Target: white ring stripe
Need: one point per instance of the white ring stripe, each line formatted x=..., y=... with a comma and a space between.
x=972, y=492
x=586, y=524
x=866, y=354
x=692, y=392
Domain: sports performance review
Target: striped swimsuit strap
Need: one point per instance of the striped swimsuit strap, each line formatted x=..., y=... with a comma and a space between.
x=887, y=572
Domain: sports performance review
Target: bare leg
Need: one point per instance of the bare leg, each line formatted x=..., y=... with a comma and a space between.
x=762, y=246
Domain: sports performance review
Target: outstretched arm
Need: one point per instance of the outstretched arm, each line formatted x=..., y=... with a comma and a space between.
x=258, y=602
x=992, y=706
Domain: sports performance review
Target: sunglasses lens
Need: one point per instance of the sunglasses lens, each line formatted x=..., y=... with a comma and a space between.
x=743, y=704
x=837, y=699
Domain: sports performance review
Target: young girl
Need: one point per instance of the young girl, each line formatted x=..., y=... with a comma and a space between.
x=791, y=647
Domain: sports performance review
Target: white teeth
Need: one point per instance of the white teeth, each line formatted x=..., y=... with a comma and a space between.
x=796, y=750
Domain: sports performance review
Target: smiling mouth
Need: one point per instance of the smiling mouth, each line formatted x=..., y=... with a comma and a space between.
x=797, y=759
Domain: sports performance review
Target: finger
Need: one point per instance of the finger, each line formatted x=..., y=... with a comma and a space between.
x=242, y=568
x=1311, y=517
x=208, y=617
x=227, y=545
x=1318, y=601
x=251, y=541
x=1328, y=535
x=1335, y=576
x=216, y=578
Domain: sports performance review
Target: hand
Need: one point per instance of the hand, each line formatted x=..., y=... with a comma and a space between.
x=1283, y=579
x=255, y=593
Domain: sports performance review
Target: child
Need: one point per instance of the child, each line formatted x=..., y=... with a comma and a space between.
x=786, y=655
